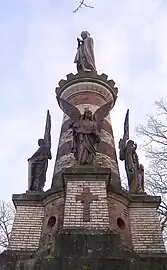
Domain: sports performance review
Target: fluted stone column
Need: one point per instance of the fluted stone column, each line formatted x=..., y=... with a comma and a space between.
x=87, y=89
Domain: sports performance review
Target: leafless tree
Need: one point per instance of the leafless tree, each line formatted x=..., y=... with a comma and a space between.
x=6, y=220
x=82, y=4
x=155, y=144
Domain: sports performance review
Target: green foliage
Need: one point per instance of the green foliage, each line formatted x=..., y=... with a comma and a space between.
x=50, y=257
x=85, y=267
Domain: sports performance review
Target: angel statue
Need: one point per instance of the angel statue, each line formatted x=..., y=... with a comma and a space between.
x=38, y=163
x=86, y=130
x=134, y=170
x=84, y=58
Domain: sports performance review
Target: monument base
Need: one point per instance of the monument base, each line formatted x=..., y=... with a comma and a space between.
x=87, y=250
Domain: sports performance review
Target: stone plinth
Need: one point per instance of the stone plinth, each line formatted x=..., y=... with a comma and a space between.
x=34, y=212
x=26, y=231
x=86, y=198
x=145, y=225
x=135, y=219
x=87, y=89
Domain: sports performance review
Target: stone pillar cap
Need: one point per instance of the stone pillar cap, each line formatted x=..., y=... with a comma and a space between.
x=90, y=76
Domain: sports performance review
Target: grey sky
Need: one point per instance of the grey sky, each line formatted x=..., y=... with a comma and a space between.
x=37, y=48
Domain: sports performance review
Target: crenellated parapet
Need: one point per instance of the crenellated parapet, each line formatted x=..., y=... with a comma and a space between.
x=87, y=77
x=87, y=90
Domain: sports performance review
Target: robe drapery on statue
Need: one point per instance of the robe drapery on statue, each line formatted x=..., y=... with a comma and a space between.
x=38, y=163
x=84, y=58
x=134, y=170
x=85, y=138
x=85, y=130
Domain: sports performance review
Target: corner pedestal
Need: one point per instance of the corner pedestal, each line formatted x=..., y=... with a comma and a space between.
x=33, y=211
x=145, y=225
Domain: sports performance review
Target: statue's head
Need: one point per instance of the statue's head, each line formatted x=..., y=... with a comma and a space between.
x=84, y=34
x=87, y=114
x=41, y=142
x=130, y=143
x=141, y=167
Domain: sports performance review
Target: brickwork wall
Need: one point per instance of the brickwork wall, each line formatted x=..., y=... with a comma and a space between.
x=26, y=229
x=145, y=230
x=119, y=210
x=73, y=215
x=54, y=208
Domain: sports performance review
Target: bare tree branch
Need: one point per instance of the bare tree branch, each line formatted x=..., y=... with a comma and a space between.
x=155, y=145
x=82, y=3
x=6, y=220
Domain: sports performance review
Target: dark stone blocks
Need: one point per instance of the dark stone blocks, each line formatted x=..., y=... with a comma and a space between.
x=92, y=245
x=86, y=250
x=69, y=246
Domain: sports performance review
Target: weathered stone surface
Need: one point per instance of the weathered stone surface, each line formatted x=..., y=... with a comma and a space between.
x=66, y=136
x=145, y=225
x=118, y=210
x=87, y=77
x=76, y=181
x=33, y=211
x=106, y=125
x=93, y=264
x=81, y=108
x=68, y=160
x=87, y=250
x=103, y=148
x=27, y=227
x=87, y=90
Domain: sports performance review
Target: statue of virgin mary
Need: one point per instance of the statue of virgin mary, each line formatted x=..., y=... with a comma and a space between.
x=85, y=53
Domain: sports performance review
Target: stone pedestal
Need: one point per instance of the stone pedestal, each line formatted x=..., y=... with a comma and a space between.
x=145, y=225
x=27, y=226
x=34, y=213
x=135, y=219
x=86, y=198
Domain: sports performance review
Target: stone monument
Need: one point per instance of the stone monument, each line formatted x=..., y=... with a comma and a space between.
x=86, y=220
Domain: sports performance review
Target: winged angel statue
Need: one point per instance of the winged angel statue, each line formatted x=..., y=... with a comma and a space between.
x=38, y=163
x=86, y=130
x=134, y=170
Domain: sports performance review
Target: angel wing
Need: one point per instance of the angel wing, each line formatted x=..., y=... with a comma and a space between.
x=126, y=127
x=122, y=142
x=69, y=109
x=47, y=134
x=101, y=113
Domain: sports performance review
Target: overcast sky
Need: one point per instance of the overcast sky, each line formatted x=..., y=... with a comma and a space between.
x=37, y=49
